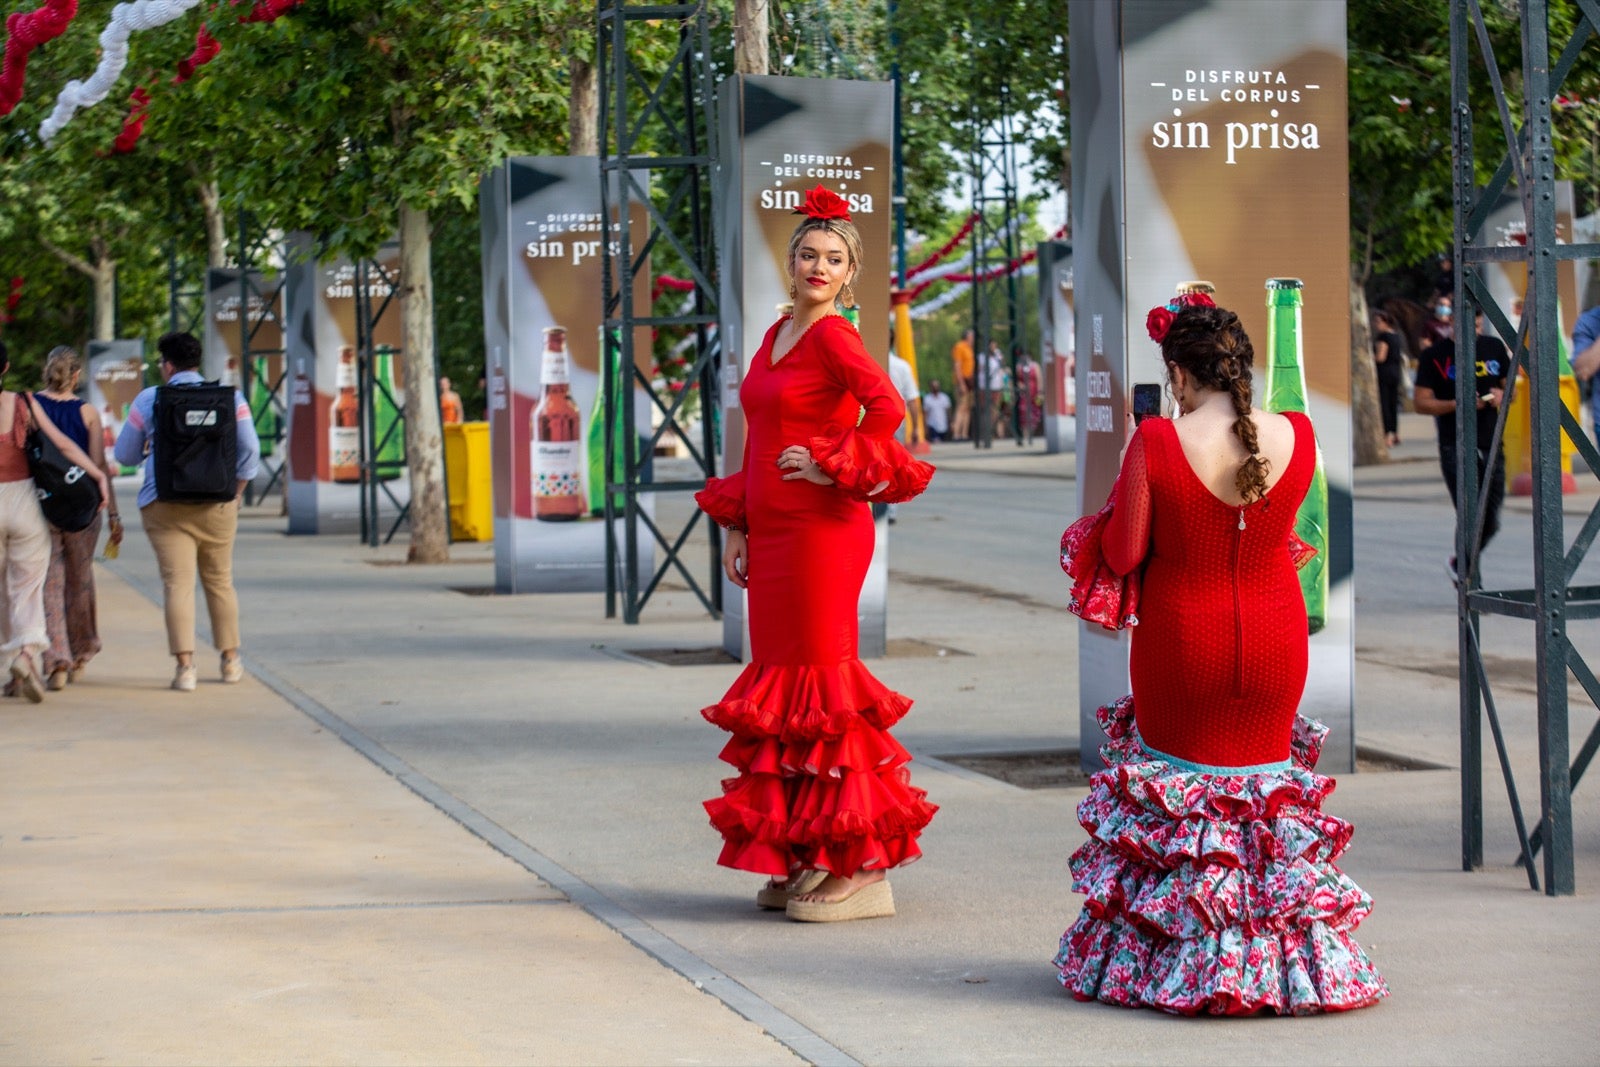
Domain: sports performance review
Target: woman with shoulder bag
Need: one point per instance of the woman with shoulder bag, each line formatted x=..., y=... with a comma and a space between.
x=69, y=598
x=25, y=538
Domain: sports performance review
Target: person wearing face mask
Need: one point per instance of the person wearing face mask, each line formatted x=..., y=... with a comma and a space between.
x=1440, y=327
x=822, y=803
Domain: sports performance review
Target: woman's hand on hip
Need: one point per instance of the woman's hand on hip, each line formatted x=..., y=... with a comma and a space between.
x=796, y=459
x=736, y=557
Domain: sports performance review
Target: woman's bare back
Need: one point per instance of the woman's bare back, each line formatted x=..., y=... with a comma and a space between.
x=1215, y=452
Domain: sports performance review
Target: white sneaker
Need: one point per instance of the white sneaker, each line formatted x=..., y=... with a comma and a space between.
x=232, y=669
x=185, y=679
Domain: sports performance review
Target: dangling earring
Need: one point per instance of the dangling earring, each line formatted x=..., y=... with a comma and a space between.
x=791, y=290
x=847, y=296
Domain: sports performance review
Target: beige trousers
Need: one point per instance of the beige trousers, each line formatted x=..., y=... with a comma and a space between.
x=186, y=536
x=24, y=560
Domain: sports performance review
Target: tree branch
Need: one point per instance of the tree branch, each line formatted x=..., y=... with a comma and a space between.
x=77, y=263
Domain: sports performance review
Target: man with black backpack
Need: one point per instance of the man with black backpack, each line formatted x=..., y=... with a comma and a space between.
x=202, y=450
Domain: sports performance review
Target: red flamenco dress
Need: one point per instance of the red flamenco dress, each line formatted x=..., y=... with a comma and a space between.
x=1209, y=869
x=821, y=783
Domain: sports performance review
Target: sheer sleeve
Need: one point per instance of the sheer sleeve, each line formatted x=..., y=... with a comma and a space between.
x=1102, y=552
x=723, y=498
x=1127, y=534
x=866, y=461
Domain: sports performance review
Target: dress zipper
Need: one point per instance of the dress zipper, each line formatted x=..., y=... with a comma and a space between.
x=1238, y=615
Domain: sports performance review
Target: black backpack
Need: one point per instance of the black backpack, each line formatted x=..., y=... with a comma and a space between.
x=194, y=448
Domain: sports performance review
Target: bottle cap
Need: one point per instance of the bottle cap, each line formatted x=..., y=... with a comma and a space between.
x=555, y=338
x=1196, y=285
x=1285, y=283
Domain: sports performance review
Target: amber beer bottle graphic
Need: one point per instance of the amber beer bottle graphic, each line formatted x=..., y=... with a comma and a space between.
x=556, y=439
x=1285, y=390
x=344, y=428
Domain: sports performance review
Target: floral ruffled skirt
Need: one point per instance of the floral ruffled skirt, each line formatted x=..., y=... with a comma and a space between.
x=1214, y=893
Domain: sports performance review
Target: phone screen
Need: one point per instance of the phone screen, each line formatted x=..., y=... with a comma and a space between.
x=1146, y=401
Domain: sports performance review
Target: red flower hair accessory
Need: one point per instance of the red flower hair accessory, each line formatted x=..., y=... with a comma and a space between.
x=824, y=203
x=1159, y=321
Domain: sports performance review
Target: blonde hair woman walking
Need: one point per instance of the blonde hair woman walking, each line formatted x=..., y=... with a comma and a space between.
x=69, y=601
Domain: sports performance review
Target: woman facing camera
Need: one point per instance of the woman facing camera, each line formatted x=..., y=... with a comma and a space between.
x=1209, y=869
x=822, y=803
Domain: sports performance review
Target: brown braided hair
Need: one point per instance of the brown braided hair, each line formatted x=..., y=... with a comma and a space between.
x=1212, y=348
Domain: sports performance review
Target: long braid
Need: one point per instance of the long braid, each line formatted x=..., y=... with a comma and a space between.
x=1210, y=344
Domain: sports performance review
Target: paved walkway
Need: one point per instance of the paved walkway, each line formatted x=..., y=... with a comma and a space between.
x=434, y=827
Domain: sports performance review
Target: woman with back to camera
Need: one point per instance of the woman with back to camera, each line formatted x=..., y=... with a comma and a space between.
x=822, y=803
x=1209, y=869
x=69, y=601
x=25, y=536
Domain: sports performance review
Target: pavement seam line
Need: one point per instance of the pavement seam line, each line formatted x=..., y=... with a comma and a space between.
x=782, y=1027
x=283, y=909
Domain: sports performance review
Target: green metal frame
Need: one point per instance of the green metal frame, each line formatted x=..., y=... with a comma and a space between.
x=1528, y=162
x=657, y=155
x=996, y=242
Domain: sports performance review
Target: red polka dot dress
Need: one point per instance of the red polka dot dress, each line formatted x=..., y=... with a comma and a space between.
x=1209, y=871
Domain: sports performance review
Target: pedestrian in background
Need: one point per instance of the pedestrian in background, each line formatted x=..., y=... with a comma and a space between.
x=1586, y=360
x=451, y=410
x=936, y=411
x=185, y=535
x=1388, y=354
x=69, y=596
x=962, y=365
x=1436, y=395
x=25, y=536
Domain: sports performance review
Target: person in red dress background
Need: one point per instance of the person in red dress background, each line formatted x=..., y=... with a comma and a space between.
x=823, y=803
x=1209, y=869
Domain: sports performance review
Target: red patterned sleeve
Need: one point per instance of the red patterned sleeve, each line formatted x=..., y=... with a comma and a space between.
x=1102, y=552
x=723, y=498
x=866, y=461
x=1127, y=535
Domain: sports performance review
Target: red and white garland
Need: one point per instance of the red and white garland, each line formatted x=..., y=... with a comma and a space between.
x=25, y=31
x=126, y=20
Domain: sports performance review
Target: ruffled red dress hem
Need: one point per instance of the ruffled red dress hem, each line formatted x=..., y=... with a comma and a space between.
x=821, y=783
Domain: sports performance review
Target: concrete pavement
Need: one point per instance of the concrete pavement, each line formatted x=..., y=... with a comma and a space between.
x=295, y=870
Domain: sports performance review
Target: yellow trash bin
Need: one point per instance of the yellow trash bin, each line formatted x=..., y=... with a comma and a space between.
x=469, y=481
x=1518, y=441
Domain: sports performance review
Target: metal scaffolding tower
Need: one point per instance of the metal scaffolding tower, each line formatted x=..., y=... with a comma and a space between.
x=657, y=149
x=996, y=241
x=1527, y=163
x=382, y=415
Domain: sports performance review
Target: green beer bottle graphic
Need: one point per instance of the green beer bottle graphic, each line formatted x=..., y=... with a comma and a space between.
x=1285, y=390
x=388, y=435
x=616, y=385
x=262, y=408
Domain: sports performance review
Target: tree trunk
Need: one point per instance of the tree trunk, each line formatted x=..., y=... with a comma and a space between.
x=430, y=518
x=1366, y=433
x=101, y=271
x=750, y=36
x=583, y=111
x=216, y=225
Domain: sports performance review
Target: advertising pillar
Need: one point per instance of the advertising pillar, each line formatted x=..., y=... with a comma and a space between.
x=116, y=374
x=261, y=329
x=1209, y=142
x=780, y=137
x=1058, y=345
x=324, y=439
x=543, y=290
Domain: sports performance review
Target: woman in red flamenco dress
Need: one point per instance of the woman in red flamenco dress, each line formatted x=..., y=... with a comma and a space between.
x=1209, y=869
x=822, y=803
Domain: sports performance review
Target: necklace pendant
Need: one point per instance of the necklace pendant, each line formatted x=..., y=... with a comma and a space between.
x=1241, y=518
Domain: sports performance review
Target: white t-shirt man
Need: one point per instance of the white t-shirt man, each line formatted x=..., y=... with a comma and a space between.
x=905, y=383
x=936, y=413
